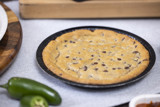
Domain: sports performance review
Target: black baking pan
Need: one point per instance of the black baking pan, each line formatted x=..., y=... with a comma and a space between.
x=92, y=28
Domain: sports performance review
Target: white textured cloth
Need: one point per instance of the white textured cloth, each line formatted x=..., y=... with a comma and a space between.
x=35, y=31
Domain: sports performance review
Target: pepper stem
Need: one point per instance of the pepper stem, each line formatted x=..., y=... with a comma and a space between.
x=4, y=86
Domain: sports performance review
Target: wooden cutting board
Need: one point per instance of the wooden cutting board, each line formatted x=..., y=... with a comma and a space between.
x=89, y=9
x=11, y=42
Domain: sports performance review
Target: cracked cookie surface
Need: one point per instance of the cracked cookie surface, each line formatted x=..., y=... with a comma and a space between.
x=95, y=57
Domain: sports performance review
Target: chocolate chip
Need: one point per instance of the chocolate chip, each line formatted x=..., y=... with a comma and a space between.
x=71, y=41
x=60, y=74
x=135, y=46
x=139, y=62
x=85, y=68
x=103, y=65
x=118, y=68
x=135, y=52
x=95, y=63
x=122, y=55
x=134, y=42
x=145, y=59
x=65, y=40
x=78, y=52
x=103, y=51
x=96, y=69
x=98, y=59
x=119, y=59
x=105, y=71
x=114, y=68
x=92, y=55
x=74, y=58
x=123, y=39
x=92, y=30
x=129, y=65
x=126, y=68
x=67, y=56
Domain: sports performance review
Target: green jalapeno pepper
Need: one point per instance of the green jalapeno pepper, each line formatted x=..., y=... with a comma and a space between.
x=20, y=87
x=33, y=101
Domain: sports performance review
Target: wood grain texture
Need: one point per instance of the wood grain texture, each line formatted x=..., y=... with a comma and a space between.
x=89, y=8
x=11, y=42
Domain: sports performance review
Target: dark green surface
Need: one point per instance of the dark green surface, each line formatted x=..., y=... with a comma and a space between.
x=20, y=87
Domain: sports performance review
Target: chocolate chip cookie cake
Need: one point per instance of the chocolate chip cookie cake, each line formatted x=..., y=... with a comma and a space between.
x=95, y=57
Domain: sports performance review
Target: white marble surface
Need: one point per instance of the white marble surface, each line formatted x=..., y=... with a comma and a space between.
x=35, y=31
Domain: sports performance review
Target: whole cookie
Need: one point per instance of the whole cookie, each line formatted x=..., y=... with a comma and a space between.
x=95, y=57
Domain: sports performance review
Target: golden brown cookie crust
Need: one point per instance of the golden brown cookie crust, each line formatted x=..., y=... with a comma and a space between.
x=98, y=57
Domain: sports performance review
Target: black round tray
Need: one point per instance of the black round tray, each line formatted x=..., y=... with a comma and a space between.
x=55, y=35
